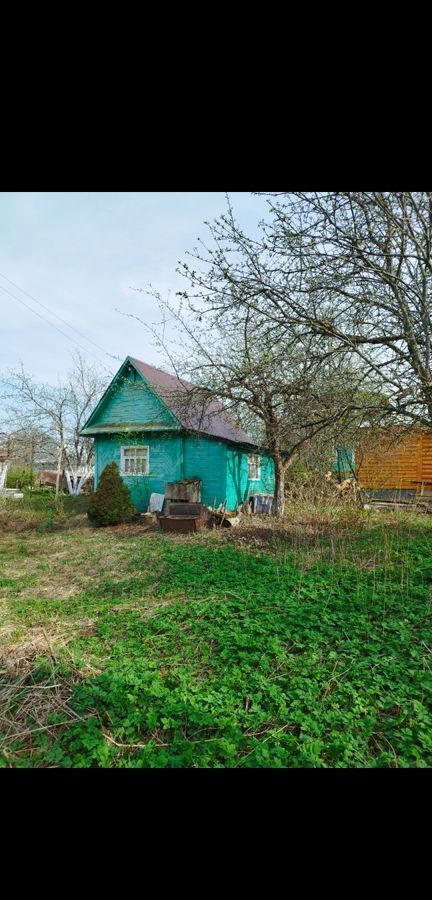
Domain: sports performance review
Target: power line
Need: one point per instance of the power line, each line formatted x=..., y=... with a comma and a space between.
x=52, y=313
x=69, y=338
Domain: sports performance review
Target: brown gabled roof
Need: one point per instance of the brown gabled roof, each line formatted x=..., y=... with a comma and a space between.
x=206, y=416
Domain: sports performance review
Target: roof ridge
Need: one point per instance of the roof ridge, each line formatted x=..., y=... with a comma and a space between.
x=163, y=372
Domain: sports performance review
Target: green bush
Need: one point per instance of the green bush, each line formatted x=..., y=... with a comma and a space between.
x=18, y=477
x=298, y=474
x=111, y=503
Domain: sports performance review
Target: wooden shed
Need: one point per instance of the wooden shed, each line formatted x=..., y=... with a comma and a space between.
x=394, y=462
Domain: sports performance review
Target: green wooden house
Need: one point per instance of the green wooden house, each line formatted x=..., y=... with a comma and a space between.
x=157, y=431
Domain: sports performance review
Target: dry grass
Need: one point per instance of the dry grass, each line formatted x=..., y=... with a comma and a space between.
x=27, y=710
x=18, y=652
x=28, y=707
x=17, y=521
x=59, y=565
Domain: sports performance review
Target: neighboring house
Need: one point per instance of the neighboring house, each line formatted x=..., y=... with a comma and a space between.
x=49, y=477
x=390, y=463
x=151, y=424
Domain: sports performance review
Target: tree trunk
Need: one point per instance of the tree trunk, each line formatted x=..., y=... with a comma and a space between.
x=32, y=459
x=59, y=468
x=69, y=481
x=82, y=481
x=278, y=507
x=76, y=481
x=3, y=474
x=281, y=465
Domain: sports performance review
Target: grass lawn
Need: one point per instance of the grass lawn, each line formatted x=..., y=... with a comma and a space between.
x=310, y=646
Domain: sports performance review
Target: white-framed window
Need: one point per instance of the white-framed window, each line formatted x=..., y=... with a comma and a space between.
x=254, y=467
x=134, y=460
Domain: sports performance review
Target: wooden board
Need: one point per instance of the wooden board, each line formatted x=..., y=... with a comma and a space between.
x=404, y=464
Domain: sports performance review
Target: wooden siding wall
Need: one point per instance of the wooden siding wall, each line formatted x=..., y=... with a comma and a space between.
x=171, y=457
x=238, y=485
x=397, y=466
x=206, y=459
x=165, y=462
x=222, y=469
x=133, y=402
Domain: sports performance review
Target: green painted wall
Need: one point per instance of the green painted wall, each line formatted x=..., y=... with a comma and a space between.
x=164, y=458
x=344, y=462
x=132, y=401
x=206, y=459
x=238, y=486
x=222, y=469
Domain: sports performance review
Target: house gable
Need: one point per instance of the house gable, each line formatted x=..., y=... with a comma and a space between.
x=130, y=404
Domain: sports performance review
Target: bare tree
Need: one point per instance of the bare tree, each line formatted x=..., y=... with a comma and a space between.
x=85, y=386
x=257, y=325
x=319, y=322
x=30, y=447
x=357, y=267
x=284, y=387
x=60, y=412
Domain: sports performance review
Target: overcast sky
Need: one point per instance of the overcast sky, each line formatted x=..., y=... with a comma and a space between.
x=79, y=253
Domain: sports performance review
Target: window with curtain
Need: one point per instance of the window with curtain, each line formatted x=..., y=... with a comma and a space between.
x=134, y=460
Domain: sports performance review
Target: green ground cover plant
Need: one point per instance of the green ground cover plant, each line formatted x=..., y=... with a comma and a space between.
x=218, y=650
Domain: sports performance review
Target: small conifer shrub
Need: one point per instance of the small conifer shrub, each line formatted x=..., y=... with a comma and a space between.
x=111, y=502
